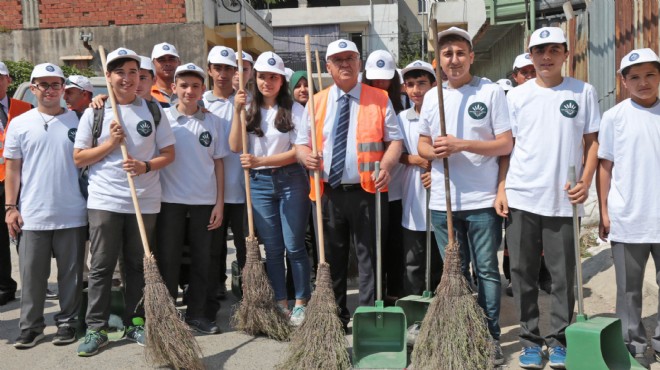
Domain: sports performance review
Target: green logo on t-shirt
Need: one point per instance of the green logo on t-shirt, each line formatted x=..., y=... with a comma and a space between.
x=205, y=139
x=569, y=108
x=144, y=128
x=478, y=110
x=72, y=134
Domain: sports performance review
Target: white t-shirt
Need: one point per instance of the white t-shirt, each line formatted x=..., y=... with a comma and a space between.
x=629, y=136
x=274, y=142
x=414, y=193
x=234, y=178
x=50, y=197
x=108, y=184
x=200, y=139
x=548, y=125
x=350, y=175
x=475, y=111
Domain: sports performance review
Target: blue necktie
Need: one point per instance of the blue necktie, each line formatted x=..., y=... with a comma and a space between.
x=339, y=146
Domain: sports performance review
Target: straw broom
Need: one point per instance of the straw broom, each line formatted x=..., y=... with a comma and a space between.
x=453, y=334
x=168, y=339
x=319, y=342
x=257, y=312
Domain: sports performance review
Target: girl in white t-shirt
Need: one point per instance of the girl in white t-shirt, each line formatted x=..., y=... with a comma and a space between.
x=278, y=184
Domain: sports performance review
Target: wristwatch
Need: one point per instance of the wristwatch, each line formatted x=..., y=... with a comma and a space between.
x=146, y=163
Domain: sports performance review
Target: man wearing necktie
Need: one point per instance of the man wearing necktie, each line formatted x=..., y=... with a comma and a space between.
x=9, y=108
x=356, y=126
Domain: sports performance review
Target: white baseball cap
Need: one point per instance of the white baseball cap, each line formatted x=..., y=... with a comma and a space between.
x=380, y=65
x=3, y=69
x=46, y=70
x=190, y=67
x=163, y=49
x=418, y=65
x=638, y=56
x=340, y=46
x=547, y=35
x=505, y=83
x=246, y=56
x=79, y=82
x=270, y=62
x=522, y=60
x=222, y=55
x=122, y=53
x=145, y=63
x=289, y=73
x=455, y=31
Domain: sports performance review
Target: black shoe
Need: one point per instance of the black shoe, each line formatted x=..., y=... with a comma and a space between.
x=498, y=355
x=222, y=292
x=28, y=339
x=546, y=285
x=7, y=297
x=203, y=325
x=50, y=294
x=65, y=335
x=509, y=290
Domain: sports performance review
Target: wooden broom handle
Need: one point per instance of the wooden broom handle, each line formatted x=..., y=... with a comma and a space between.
x=318, y=71
x=124, y=154
x=246, y=172
x=443, y=131
x=317, y=173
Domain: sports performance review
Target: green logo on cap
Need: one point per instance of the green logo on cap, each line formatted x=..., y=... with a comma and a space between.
x=144, y=128
x=569, y=108
x=477, y=110
x=205, y=139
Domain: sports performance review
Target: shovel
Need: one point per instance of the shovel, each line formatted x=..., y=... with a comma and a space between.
x=593, y=343
x=379, y=332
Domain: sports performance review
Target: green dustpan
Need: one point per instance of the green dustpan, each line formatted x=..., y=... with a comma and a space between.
x=379, y=333
x=595, y=343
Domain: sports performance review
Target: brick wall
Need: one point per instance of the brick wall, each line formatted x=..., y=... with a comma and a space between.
x=11, y=16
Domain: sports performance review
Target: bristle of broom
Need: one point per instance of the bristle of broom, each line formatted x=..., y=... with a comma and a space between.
x=319, y=343
x=454, y=334
x=169, y=340
x=257, y=312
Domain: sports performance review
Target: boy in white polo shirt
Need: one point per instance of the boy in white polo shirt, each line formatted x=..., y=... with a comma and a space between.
x=193, y=186
x=551, y=116
x=50, y=218
x=113, y=225
x=628, y=193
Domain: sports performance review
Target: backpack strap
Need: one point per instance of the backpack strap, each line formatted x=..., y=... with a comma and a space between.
x=155, y=111
x=97, y=126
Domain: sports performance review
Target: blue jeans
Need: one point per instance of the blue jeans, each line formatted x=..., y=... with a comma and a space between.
x=481, y=231
x=280, y=203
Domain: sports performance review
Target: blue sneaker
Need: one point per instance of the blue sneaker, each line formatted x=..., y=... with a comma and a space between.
x=531, y=358
x=557, y=357
x=94, y=340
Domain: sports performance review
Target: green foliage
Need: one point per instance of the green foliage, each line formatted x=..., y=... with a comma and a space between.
x=72, y=70
x=20, y=72
x=409, y=45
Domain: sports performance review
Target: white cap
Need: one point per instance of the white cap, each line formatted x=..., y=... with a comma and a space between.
x=190, y=67
x=145, y=63
x=522, y=60
x=122, y=53
x=222, y=55
x=505, y=83
x=3, y=69
x=46, y=70
x=79, y=82
x=547, y=35
x=340, y=46
x=289, y=73
x=246, y=56
x=270, y=62
x=455, y=31
x=418, y=65
x=380, y=65
x=163, y=49
x=638, y=56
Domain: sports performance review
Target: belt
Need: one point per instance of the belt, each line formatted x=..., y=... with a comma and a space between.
x=343, y=187
x=274, y=170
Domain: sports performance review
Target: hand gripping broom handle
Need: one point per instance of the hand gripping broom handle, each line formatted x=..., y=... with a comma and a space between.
x=312, y=128
x=124, y=154
x=246, y=172
x=443, y=132
x=576, y=245
x=318, y=71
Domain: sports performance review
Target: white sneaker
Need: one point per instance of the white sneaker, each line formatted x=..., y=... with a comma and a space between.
x=297, y=315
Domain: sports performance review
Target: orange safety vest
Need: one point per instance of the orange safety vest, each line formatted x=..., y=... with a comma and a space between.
x=158, y=95
x=16, y=108
x=370, y=132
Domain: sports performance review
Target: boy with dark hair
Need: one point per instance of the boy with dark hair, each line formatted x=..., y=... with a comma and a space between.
x=523, y=69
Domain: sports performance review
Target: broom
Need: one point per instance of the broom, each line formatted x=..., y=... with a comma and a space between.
x=318, y=70
x=168, y=339
x=319, y=342
x=257, y=312
x=453, y=334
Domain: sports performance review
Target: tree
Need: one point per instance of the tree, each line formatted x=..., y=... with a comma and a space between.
x=409, y=45
x=20, y=72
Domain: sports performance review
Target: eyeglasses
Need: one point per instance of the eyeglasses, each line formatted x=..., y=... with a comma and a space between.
x=44, y=86
x=68, y=82
x=340, y=61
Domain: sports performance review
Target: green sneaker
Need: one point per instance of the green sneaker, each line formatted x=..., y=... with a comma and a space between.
x=135, y=332
x=94, y=340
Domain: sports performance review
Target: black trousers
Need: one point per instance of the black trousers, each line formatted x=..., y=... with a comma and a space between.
x=235, y=216
x=414, y=246
x=7, y=284
x=393, y=249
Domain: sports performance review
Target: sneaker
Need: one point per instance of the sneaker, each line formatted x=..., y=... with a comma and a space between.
x=94, y=340
x=531, y=358
x=509, y=290
x=413, y=333
x=498, y=355
x=135, y=332
x=641, y=359
x=51, y=294
x=28, y=338
x=557, y=357
x=284, y=309
x=203, y=325
x=65, y=335
x=656, y=355
x=297, y=315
